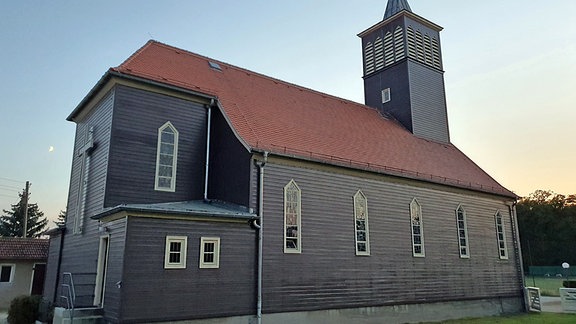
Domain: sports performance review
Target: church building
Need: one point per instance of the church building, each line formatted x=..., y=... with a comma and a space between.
x=202, y=190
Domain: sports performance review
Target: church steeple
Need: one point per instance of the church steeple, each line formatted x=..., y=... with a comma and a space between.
x=395, y=6
x=403, y=72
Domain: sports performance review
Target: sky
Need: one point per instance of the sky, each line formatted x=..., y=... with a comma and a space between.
x=510, y=73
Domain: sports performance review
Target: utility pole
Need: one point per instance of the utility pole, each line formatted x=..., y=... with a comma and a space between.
x=25, y=201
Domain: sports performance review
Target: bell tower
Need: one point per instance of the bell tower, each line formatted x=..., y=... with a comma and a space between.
x=403, y=74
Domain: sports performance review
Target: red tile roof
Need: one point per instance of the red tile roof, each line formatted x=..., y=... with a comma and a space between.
x=17, y=248
x=283, y=118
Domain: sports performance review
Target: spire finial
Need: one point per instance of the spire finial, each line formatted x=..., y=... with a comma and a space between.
x=395, y=6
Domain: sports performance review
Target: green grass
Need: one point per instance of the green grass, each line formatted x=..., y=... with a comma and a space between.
x=548, y=285
x=538, y=318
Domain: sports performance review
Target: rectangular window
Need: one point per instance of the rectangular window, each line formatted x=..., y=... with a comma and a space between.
x=417, y=229
x=361, y=224
x=292, y=239
x=175, y=253
x=7, y=273
x=462, y=228
x=501, y=236
x=210, y=252
x=386, y=95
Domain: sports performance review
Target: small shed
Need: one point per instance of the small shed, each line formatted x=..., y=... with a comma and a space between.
x=22, y=267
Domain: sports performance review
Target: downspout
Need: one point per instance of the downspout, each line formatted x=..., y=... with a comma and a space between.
x=60, y=248
x=259, y=226
x=518, y=249
x=208, y=123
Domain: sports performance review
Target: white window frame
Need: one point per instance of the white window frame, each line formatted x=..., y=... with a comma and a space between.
x=386, y=95
x=462, y=228
x=215, y=264
x=417, y=221
x=183, y=240
x=12, y=271
x=298, y=214
x=361, y=214
x=501, y=236
x=174, y=165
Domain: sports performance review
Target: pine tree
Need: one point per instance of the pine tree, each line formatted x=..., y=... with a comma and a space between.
x=12, y=221
x=61, y=221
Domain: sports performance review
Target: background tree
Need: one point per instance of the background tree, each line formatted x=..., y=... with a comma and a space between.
x=61, y=220
x=12, y=221
x=547, y=227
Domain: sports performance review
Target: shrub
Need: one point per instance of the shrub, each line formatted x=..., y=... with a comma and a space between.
x=23, y=310
x=569, y=284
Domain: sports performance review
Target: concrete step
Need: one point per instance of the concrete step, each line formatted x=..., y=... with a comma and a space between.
x=92, y=315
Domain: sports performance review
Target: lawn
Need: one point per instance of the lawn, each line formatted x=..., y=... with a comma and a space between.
x=548, y=285
x=538, y=318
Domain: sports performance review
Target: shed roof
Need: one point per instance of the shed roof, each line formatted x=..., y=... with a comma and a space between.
x=17, y=248
x=272, y=115
x=202, y=208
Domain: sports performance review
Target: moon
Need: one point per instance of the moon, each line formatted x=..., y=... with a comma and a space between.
x=51, y=149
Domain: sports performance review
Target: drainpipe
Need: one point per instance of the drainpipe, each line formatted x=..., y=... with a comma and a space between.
x=208, y=123
x=259, y=226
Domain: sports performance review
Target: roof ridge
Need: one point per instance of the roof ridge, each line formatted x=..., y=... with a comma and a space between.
x=240, y=69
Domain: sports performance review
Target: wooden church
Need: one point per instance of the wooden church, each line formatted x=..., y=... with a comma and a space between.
x=202, y=190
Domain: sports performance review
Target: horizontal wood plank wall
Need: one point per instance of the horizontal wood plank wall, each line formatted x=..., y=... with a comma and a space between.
x=115, y=266
x=80, y=252
x=137, y=116
x=51, y=276
x=152, y=293
x=328, y=274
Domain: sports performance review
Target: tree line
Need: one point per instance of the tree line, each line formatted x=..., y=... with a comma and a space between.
x=547, y=228
x=12, y=221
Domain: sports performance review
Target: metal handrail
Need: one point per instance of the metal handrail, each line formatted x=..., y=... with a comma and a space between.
x=70, y=297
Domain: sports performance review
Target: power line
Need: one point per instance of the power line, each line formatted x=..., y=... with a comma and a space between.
x=9, y=187
x=13, y=180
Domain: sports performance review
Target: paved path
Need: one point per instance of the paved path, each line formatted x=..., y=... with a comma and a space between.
x=3, y=317
x=552, y=305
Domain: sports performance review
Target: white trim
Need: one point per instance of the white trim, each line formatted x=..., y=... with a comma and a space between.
x=465, y=222
x=415, y=204
x=183, y=240
x=172, y=187
x=12, y=271
x=101, y=267
x=503, y=240
x=360, y=194
x=298, y=211
x=215, y=264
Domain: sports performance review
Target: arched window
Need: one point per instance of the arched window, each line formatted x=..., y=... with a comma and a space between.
x=361, y=224
x=388, y=49
x=411, y=40
x=399, y=44
x=378, y=53
x=166, y=158
x=462, y=227
x=369, y=58
x=501, y=236
x=292, y=215
x=417, y=229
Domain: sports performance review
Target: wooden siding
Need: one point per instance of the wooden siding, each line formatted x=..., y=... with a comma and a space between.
x=428, y=99
x=328, y=274
x=137, y=116
x=229, y=170
x=152, y=293
x=114, y=268
x=80, y=251
x=51, y=278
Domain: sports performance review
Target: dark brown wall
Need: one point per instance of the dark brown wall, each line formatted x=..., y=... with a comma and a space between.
x=153, y=293
x=328, y=274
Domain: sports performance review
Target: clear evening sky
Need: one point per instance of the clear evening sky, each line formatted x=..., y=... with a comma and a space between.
x=510, y=73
